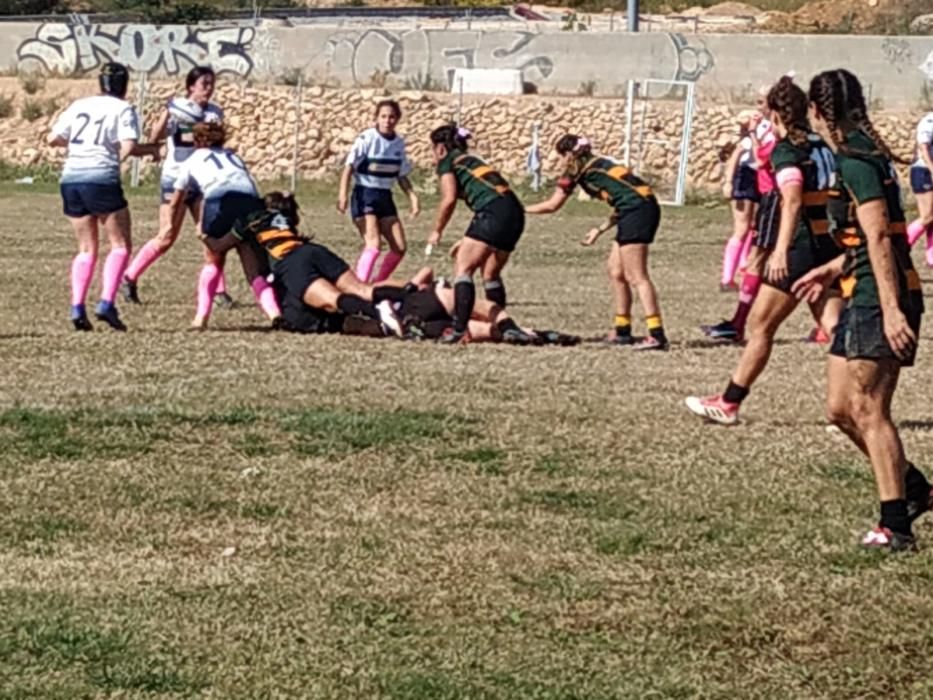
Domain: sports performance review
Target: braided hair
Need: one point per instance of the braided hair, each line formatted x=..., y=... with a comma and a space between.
x=789, y=102
x=452, y=137
x=840, y=99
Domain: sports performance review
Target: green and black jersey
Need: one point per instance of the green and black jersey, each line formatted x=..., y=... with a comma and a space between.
x=478, y=183
x=864, y=175
x=609, y=181
x=816, y=164
x=271, y=230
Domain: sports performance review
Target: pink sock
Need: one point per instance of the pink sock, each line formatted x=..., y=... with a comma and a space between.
x=747, y=293
x=914, y=230
x=389, y=263
x=148, y=254
x=730, y=259
x=366, y=262
x=207, y=288
x=114, y=266
x=82, y=271
x=746, y=247
x=265, y=295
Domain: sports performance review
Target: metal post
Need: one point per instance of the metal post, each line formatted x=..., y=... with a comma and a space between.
x=685, y=145
x=298, y=91
x=633, y=15
x=629, y=116
x=459, y=100
x=140, y=105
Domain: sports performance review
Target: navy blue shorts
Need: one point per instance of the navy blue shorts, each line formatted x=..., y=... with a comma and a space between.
x=87, y=198
x=921, y=181
x=372, y=201
x=167, y=188
x=221, y=213
x=745, y=184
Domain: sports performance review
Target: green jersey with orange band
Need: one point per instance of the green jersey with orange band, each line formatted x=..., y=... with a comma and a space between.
x=270, y=230
x=612, y=182
x=816, y=164
x=478, y=183
x=864, y=175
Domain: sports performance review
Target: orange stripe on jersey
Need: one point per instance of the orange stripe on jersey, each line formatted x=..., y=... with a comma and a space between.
x=849, y=238
x=913, y=281
x=618, y=172
x=897, y=227
x=848, y=286
x=281, y=249
x=815, y=199
x=480, y=171
x=819, y=227
x=272, y=235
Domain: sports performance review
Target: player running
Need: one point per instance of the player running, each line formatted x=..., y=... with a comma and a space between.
x=497, y=225
x=175, y=125
x=878, y=332
x=804, y=175
x=229, y=194
x=375, y=162
x=636, y=216
x=100, y=132
x=921, y=182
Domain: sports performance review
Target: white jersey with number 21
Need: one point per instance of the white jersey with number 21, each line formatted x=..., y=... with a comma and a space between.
x=216, y=172
x=94, y=128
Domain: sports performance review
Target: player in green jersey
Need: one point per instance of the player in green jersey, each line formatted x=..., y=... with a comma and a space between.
x=878, y=331
x=636, y=217
x=804, y=173
x=498, y=222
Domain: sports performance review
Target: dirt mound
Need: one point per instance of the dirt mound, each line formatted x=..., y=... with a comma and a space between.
x=724, y=9
x=848, y=16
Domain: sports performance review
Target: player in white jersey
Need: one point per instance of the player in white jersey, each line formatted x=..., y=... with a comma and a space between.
x=175, y=124
x=100, y=132
x=228, y=193
x=741, y=187
x=375, y=162
x=921, y=182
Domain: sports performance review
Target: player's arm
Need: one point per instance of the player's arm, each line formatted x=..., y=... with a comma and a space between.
x=729, y=170
x=790, y=184
x=550, y=205
x=343, y=194
x=219, y=245
x=445, y=208
x=61, y=130
x=409, y=191
x=130, y=147
x=597, y=231
x=924, y=147
x=813, y=285
x=159, y=128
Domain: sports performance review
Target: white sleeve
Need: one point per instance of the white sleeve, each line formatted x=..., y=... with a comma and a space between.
x=357, y=151
x=218, y=115
x=925, y=131
x=405, y=168
x=62, y=125
x=128, y=125
x=183, y=179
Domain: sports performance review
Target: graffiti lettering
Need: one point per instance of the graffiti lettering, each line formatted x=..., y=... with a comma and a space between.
x=78, y=48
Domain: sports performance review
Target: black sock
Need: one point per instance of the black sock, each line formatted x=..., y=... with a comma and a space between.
x=464, y=299
x=507, y=324
x=894, y=516
x=352, y=305
x=387, y=292
x=495, y=292
x=916, y=485
x=734, y=393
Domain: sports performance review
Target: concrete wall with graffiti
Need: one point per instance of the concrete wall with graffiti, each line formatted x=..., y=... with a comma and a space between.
x=898, y=71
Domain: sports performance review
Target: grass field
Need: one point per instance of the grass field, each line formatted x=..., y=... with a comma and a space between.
x=421, y=522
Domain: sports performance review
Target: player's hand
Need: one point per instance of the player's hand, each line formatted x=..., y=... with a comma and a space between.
x=591, y=237
x=342, y=205
x=455, y=248
x=900, y=335
x=814, y=284
x=415, y=206
x=777, y=267
x=727, y=190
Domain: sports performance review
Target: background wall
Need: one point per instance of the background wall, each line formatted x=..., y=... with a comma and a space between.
x=266, y=126
x=899, y=70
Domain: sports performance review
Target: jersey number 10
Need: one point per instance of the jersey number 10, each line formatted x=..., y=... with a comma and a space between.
x=232, y=157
